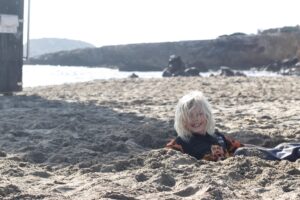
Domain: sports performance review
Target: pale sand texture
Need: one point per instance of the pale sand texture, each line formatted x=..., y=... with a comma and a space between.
x=104, y=139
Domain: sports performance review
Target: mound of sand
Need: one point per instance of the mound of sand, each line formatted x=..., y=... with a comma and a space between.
x=105, y=139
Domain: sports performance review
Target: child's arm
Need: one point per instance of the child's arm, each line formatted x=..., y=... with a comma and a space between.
x=173, y=145
x=232, y=144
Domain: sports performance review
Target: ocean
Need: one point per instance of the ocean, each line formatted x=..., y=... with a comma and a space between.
x=43, y=75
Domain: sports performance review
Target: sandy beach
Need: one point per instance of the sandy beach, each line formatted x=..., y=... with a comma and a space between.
x=104, y=140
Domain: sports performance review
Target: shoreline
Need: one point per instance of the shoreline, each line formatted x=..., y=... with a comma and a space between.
x=56, y=75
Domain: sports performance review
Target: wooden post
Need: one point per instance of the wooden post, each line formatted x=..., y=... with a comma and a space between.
x=11, y=45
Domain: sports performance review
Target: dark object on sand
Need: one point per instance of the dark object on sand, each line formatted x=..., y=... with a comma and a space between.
x=284, y=151
x=133, y=75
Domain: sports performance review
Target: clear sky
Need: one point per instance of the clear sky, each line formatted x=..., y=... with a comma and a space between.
x=111, y=22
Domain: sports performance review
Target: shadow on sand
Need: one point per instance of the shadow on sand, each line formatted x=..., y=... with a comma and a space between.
x=59, y=133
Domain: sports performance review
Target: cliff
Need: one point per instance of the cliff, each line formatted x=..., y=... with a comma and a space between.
x=238, y=51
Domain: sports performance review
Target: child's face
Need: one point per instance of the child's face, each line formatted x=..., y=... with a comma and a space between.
x=197, y=121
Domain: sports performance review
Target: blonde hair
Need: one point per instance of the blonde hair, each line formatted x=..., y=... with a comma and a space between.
x=184, y=105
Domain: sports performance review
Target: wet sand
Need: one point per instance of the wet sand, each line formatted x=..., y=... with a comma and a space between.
x=104, y=140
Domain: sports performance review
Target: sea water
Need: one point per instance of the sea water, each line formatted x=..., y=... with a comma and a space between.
x=42, y=75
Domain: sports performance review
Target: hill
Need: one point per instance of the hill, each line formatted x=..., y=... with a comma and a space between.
x=50, y=45
x=239, y=51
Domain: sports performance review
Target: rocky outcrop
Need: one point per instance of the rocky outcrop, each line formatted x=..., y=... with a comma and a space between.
x=238, y=51
x=288, y=66
x=176, y=67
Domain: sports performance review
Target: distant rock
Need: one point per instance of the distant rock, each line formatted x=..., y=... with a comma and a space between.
x=287, y=66
x=50, y=45
x=176, y=67
x=192, y=71
x=133, y=75
x=227, y=71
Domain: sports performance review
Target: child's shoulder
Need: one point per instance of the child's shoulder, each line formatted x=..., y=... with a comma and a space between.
x=179, y=140
x=218, y=133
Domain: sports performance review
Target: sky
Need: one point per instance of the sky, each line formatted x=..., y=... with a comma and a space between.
x=113, y=22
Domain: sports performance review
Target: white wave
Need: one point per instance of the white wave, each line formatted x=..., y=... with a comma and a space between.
x=42, y=75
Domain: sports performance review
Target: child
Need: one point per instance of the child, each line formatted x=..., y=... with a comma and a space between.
x=197, y=136
x=195, y=126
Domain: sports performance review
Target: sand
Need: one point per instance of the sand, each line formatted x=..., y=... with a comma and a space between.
x=104, y=140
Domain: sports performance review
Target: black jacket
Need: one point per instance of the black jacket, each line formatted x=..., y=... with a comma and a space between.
x=209, y=147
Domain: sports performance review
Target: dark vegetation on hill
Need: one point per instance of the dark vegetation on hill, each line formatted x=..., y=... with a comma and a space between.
x=238, y=51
